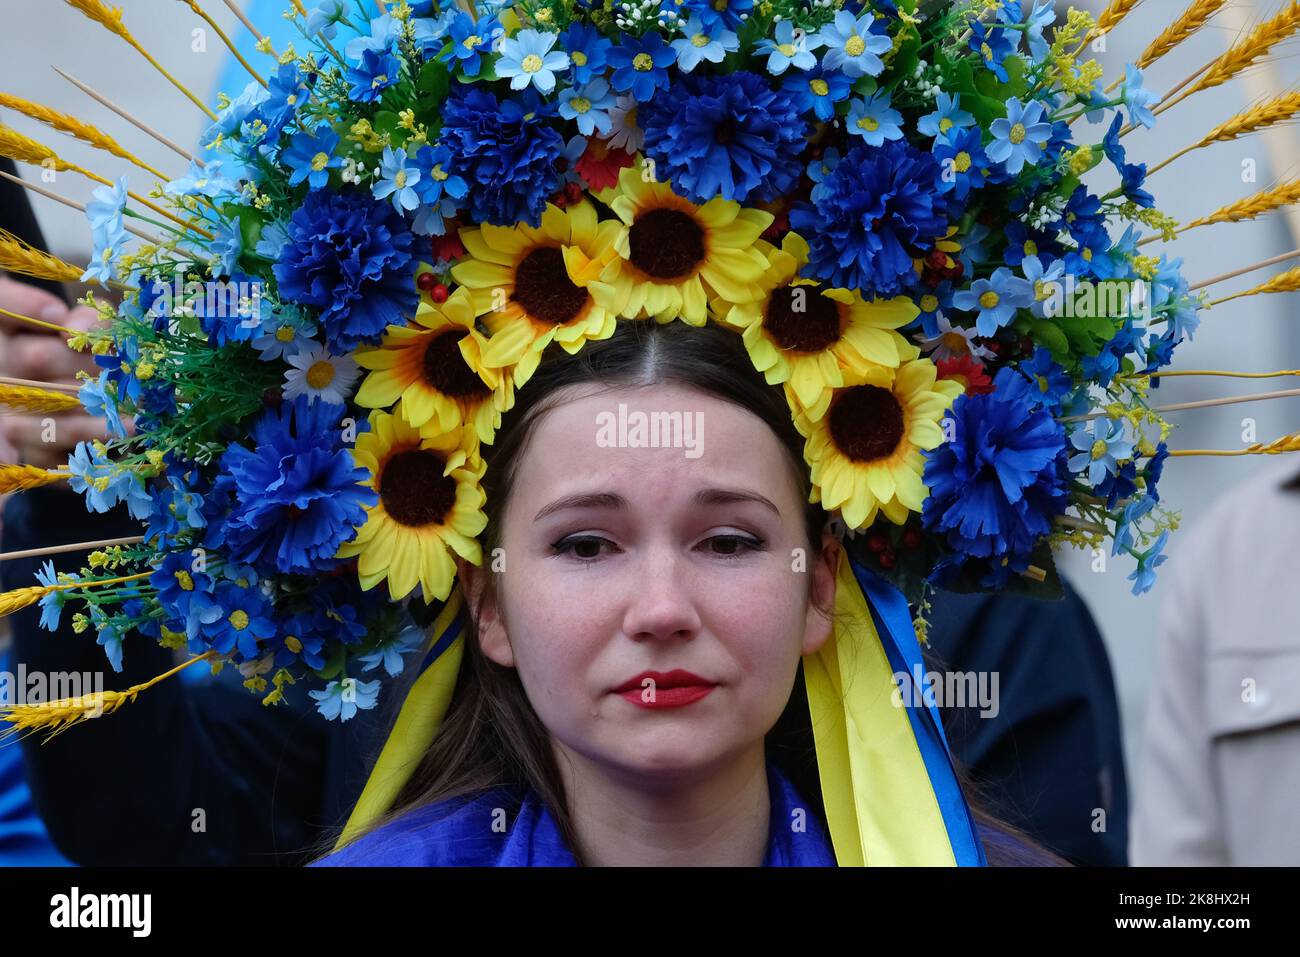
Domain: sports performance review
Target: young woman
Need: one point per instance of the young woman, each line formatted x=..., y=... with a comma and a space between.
x=631, y=690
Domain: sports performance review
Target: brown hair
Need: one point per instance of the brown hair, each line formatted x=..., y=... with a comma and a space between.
x=491, y=736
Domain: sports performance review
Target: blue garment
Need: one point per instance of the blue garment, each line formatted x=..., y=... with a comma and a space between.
x=458, y=832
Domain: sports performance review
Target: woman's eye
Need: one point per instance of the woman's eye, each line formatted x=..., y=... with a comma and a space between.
x=733, y=546
x=583, y=547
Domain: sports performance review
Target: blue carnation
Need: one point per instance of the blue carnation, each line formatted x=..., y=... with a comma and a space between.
x=349, y=257
x=730, y=135
x=997, y=484
x=506, y=152
x=875, y=211
x=298, y=495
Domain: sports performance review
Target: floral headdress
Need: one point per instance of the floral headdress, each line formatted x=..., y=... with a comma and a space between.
x=322, y=322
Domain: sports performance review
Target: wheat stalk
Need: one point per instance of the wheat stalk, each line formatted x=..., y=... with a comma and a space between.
x=1280, y=109
x=1192, y=19
x=75, y=127
x=59, y=715
x=17, y=478
x=1287, y=443
x=1252, y=206
x=1288, y=281
x=24, y=398
x=18, y=257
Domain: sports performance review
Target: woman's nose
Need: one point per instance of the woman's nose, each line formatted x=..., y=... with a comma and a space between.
x=661, y=602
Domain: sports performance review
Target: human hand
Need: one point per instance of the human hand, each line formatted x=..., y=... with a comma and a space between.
x=30, y=352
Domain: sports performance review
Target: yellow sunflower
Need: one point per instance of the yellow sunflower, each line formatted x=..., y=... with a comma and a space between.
x=864, y=454
x=804, y=334
x=673, y=255
x=534, y=285
x=430, y=504
x=435, y=366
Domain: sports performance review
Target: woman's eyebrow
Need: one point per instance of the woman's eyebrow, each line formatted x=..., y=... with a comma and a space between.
x=707, y=496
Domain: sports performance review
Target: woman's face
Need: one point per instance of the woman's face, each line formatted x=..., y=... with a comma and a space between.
x=619, y=560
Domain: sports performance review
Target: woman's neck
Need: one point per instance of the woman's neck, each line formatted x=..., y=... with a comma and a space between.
x=715, y=817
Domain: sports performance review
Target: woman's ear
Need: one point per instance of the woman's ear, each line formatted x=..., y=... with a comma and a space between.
x=491, y=629
x=818, y=625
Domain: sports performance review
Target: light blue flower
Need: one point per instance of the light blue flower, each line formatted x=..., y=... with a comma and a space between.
x=431, y=218
x=272, y=240
x=397, y=180
x=1144, y=576
x=948, y=116
x=51, y=604
x=874, y=120
x=203, y=181
x=105, y=484
x=284, y=339
x=107, y=240
x=790, y=49
x=1130, y=515
x=527, y=58
x=588, y=107
x=110, y=639
x=1041, y=17
x=699, y=43
x=342, y=699
x=324, y=18
x=96, y=401
x=226, y=244
x=1138, y=100
x=390, y=652
x=1044, y=280
x=385, y=31
x=996, y=298
x=1100, y=450
x=819, y=169
x=106, y=204
x=851, y=47
x=1018, y=137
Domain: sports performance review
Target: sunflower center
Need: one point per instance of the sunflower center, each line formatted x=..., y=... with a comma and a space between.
x=544, y=289
x=866, y=423
x=446, y=371
x=414, y=490
x=666, y=244
x=801, y=319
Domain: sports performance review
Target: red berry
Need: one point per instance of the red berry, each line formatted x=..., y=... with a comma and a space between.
x=886, y=558
x=877, y=543
x=426, y=281
x=439, y=293
x=911, y=539
x=573, y=193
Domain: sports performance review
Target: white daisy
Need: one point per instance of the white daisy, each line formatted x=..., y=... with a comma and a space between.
x=624, y=133
x=953, y=341
x=319, y=375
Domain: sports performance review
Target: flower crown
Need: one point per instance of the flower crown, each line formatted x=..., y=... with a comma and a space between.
x=323, y=322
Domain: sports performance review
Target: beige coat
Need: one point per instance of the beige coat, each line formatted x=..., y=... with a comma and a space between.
x=1219, y=777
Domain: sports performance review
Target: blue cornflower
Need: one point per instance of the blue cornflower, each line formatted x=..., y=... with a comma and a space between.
x=588, y=106
x=947, y=117
x=1100, y=449
x=185, y=593
x=435, y=182
x=819, y=169
x=1144, y=576
x=311, y=156
x=729, y=135
x=527, y=58
x=851, y=47
x=506, y=151
x=1053, y=382
x=788, y=49
x=996, y=298
x=245, y=620
x=1132, y=175
x=470, y=41
x=106, y=204
x=288, y=91
x=390, y=652
x=300, y=637
x=869, y=214
x=1090, y=258
x=349, y=257
x=998, y=483
x=397, y=180
x=1129, y=516
x=701, y=43
x=297, y=493
x=107, y=241
x=105, y=484
x=1138, y=100
x=342, y=699
x=819, y=90
x=588, y=51
x=963, y=160
x=377, y=71
x=324, y=18
x=993, y=46
x=1046, y=281
x=641, y=65
x=1018, y=137
x=227, y=244
x=728, y=13
x=1170, y=296
x=874, y=120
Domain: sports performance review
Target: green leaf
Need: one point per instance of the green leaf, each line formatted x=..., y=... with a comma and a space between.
x=1049, y=335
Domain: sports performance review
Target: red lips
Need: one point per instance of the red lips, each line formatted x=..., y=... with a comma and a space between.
x=677, y=678
x=673, y=689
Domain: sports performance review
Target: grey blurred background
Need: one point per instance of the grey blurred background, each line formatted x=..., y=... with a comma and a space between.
x=1260, y=333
